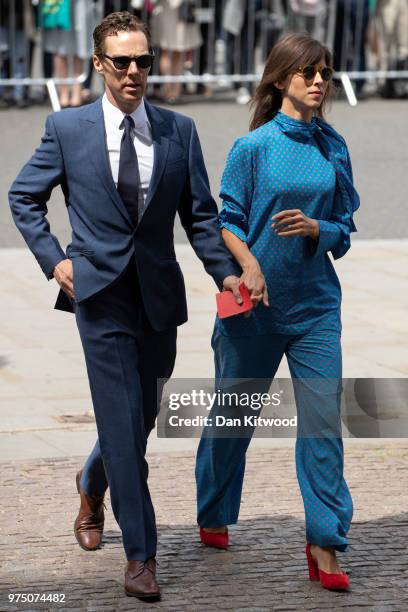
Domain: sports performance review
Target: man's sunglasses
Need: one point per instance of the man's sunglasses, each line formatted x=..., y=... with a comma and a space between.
x=309, y=72
x=122, y=62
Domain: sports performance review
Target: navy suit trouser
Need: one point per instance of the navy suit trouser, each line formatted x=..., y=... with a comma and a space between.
x=124, y=357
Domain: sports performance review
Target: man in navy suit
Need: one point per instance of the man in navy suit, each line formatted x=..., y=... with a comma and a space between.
x=126, y=168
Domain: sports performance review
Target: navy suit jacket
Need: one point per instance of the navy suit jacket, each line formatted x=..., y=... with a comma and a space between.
x=73, y=154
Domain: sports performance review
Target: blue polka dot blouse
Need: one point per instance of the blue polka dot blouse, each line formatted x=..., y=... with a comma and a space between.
x=284, y=165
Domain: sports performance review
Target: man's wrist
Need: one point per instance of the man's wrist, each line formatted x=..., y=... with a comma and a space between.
x=55, y=267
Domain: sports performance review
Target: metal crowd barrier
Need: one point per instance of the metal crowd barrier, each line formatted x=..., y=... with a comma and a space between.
x=19, y=38
x=236, y=39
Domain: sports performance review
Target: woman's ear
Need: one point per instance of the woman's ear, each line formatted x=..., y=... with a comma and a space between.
x=279, y=85
x=283, y=84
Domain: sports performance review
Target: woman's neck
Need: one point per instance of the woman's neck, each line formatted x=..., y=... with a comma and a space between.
x=297, y=112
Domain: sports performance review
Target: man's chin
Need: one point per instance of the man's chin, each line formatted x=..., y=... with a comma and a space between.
x=131, y=98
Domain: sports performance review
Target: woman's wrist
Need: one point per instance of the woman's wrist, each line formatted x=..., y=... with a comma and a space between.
x=314, y=234
x=250, y=263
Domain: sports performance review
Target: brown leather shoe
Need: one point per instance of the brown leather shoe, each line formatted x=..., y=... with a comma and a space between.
x=140, y=580
x=88, y=526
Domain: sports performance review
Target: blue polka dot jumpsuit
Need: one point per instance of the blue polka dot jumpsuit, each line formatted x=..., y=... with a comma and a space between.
x=286, y=164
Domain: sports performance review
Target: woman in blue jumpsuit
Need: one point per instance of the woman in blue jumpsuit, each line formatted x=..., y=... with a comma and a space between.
x=287, y=201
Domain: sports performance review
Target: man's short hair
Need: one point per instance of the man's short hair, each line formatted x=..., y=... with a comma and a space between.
x=121, y=21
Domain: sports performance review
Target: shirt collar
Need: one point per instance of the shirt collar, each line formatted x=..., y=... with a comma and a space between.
x=295, y=128
x=115, y=115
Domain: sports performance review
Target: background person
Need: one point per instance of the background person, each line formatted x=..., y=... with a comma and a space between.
x=176, y=37
x=242, y=30
x=307, y=16
x=68, y=27
x=16, y=31
x=392, y=27
x=350, y=38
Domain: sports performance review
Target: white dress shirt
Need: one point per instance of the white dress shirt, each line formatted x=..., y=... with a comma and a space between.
x=143, y=142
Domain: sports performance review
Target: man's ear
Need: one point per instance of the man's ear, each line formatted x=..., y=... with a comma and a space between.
x=97, y=64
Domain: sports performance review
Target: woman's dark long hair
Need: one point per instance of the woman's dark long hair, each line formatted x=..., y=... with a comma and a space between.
x=287, y=55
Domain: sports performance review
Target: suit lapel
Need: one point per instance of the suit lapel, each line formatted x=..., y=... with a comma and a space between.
x=161, y=149
x=93, y=122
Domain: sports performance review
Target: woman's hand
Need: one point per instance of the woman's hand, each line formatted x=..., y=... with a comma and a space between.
x=251, y=270
x=255, y=282
x=295, y=223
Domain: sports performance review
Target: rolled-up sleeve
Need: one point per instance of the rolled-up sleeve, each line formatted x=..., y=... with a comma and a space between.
x=237, y=189
x=334, y=233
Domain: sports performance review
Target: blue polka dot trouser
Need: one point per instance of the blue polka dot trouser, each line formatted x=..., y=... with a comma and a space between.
x=315, y=365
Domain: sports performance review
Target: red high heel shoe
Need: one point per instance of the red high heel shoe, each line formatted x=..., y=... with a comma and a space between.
x=333, y=582
x=216, y=540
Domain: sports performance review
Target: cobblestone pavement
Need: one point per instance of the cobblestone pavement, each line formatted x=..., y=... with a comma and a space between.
x=264, y=569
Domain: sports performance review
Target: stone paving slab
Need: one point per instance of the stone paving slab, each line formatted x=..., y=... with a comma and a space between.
x=263, y=570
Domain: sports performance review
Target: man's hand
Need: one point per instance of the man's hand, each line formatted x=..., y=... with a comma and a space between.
x=231, y=283
x=295, y=223
x=254, y=280
x=64, y=275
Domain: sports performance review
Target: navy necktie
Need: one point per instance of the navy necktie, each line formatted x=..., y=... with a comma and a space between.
x=129, y=187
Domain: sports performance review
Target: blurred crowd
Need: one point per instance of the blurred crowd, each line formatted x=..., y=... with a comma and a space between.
x=226, y=37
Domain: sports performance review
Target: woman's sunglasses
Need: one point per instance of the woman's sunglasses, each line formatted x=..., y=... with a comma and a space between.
x=309, y=72
x=122, y=62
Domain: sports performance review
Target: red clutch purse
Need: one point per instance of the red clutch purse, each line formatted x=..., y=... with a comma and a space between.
x=228, y=307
